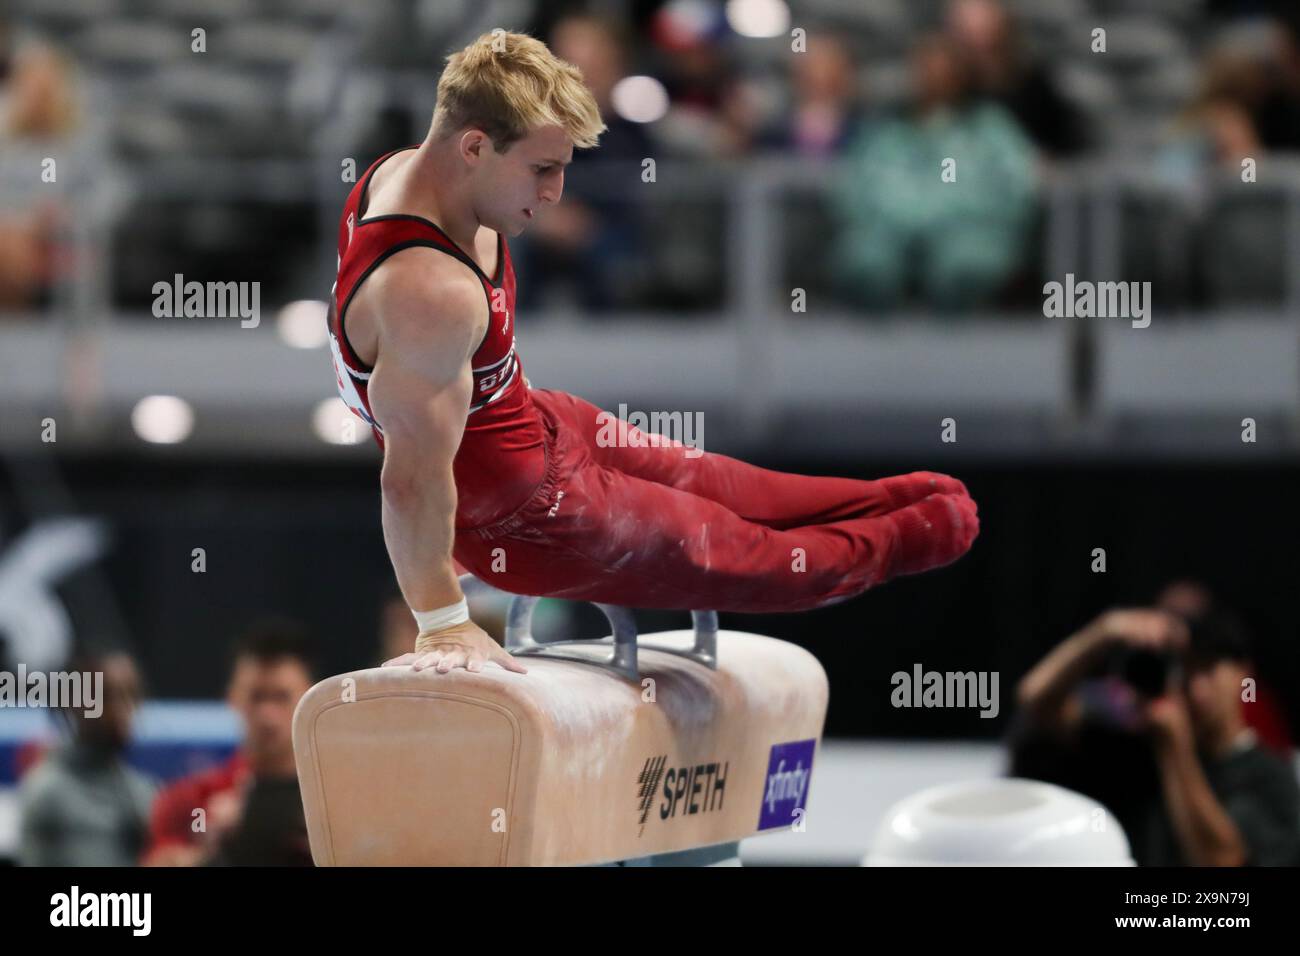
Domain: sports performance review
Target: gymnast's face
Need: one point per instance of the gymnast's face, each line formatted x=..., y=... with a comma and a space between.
x=265, y=693
x=513, y=187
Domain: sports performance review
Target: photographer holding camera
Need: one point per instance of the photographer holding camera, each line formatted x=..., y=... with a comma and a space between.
x=1143, y=711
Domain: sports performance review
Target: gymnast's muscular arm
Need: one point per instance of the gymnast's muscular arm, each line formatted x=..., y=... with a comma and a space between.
x=429, y=319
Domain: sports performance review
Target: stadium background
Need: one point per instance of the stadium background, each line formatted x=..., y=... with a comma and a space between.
x=230, y=164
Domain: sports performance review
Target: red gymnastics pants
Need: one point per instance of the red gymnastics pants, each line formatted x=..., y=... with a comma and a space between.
x=653, y=527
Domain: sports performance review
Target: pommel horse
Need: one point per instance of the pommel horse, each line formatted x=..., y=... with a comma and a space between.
x=606, y=751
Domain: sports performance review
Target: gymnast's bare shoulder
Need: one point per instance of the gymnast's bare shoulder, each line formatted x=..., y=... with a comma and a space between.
x=422, y=319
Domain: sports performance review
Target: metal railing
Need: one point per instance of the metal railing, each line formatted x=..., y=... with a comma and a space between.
x=1083, y=231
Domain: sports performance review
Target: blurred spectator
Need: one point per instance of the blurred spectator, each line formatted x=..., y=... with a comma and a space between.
x=26, y=246
x=1219, y=239
x=1218, y=129
x=1277, y=113
x=592, y=243
x=1142, y=711
x=960, y=241
x=247, y=812
x=1227, y=800
x=1192, y=600
x=1249, y=97
x=1003, y=71
x=715, y=111
x=1188, y=599
x=82, y=805
x=37, y=110
x=826, y=114
x=37, y=93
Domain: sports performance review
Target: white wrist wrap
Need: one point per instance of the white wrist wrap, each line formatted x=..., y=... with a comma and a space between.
x=443, y=617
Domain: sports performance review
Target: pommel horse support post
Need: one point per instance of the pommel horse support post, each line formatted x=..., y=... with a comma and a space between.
x=688, y=744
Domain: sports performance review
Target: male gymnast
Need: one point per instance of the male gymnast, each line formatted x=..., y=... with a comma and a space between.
x=509, y=480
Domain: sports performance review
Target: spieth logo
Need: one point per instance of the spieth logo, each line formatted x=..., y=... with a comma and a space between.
x=785, y=795
x=686, y=790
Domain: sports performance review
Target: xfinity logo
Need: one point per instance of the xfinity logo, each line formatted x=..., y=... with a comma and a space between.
x=786, y=785
x=785, y=792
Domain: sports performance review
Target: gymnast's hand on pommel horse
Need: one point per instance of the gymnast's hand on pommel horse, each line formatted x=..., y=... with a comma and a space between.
x=536, y=491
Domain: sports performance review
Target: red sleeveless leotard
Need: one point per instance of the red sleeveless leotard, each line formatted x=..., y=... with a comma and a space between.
x=500, y=460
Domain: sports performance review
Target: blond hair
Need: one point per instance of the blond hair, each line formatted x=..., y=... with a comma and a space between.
x=508, y=84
